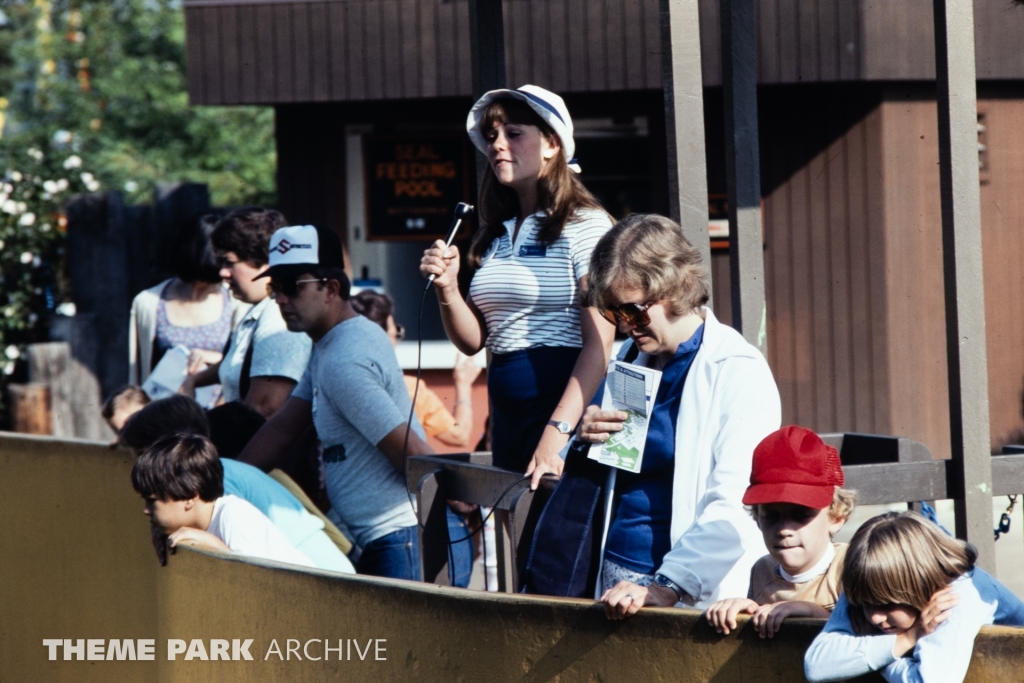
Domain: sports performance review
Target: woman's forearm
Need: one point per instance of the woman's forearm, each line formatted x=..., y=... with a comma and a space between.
x=461, y=323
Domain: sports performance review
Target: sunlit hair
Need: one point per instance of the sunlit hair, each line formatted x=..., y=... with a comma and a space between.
x=900, y=558
x=843, y=503
x=124, y=396
x=179, y=466
x=559, y=192
x=648, y=252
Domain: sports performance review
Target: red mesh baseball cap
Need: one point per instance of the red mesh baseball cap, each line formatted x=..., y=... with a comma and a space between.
x=793, y=465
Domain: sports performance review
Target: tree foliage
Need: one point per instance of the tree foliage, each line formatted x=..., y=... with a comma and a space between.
x=93, y=97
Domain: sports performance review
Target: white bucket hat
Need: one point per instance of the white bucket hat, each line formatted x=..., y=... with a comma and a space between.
x=548, y=106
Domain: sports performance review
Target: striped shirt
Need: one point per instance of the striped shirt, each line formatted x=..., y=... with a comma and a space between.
x=528, y=292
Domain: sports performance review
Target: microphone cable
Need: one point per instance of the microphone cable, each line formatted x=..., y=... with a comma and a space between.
x=461, y=211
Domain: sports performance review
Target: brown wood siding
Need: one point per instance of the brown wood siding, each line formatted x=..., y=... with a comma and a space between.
x=1002, y=215
x=334, y=50
x=823, y=258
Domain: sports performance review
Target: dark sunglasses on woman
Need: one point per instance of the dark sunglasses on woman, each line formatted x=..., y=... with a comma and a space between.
x=634, y=315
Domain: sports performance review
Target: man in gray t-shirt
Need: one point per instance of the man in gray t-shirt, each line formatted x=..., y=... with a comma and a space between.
x=354, y=394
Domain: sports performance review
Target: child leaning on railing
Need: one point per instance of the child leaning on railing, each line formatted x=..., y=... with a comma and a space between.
x=912, y=604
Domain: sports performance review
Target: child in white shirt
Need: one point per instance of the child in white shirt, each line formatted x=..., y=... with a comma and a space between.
x=912, y=605
x=181, y=479
x=797, y=498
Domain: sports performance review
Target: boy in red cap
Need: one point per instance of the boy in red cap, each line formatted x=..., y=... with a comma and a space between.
x=796, y=496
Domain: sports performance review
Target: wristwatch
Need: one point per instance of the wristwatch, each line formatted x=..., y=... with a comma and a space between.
x=665, y=582
x=562, y=427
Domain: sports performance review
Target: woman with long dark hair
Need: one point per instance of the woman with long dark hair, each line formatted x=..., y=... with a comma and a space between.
x=530, y=255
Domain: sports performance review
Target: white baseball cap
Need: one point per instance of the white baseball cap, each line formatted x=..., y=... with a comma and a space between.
x=545, y=103
x=299, y=247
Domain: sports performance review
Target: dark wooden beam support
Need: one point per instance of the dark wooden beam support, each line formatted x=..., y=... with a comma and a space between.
x=963, y=275
x=743, y=170
x=684, y=121
x=487, y=56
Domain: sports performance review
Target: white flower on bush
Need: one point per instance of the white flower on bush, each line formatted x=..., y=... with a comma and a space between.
x=90, y=181
x=26, y=257
x=22, y=207
x=27, y=219
x=73, y=161
x=62, y=184
x=1, y=244
x=8, y=188
x=131, y=186
x=12, y=352
x=67, y=308
x=9, y=367
x=15, y=176
x=51, y=186
x=35, y=153
x=10, y=206
x=62, y=137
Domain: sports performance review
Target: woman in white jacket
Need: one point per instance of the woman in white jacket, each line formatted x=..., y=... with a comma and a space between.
x=679, y=532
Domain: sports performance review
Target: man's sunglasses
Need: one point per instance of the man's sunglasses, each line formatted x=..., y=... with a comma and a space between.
x=634, y=315
x=289, y=288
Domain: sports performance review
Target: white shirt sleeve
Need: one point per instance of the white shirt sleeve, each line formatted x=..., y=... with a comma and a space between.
x=839, y=653
x=944, y=655
x=711, y=560
x=247, y=531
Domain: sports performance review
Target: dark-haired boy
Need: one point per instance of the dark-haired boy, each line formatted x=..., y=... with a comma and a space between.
x=181, y=479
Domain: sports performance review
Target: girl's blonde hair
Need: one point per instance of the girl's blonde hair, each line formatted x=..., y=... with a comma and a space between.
x=649, y=253
x=901, y=558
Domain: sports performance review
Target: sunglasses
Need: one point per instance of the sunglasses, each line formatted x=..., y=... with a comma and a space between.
x=289, y=288
x=634, y=315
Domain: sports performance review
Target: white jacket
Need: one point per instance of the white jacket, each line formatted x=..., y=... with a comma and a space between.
x=730, y=402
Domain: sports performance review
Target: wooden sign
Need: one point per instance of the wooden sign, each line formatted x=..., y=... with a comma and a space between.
x=413, y=183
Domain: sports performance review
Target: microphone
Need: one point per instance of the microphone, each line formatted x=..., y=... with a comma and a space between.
x=462, y=210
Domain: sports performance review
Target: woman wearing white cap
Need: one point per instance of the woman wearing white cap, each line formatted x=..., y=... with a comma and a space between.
x=539, y=225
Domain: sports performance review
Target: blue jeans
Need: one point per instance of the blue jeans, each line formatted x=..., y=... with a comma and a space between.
x=460, y=555
x=395, y=556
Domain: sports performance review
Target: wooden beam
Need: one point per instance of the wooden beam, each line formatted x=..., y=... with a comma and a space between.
x=684, y=121
x=487, y=45
x=743, y=171
x=963, y=275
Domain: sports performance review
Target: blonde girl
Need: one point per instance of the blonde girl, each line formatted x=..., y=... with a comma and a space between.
x=912, y=605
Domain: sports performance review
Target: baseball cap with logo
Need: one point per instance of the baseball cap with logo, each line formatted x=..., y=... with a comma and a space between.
x=793, y=465
x=548, y=106
x=297, y=249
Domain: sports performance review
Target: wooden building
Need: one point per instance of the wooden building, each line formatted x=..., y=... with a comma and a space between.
x=849, y=156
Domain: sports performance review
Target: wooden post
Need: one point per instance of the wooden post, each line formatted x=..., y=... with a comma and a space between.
x=30, y=408
x=963, y=275
x=743, y=170
x=684, y=121
x=51, y=365
x=433, y=519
